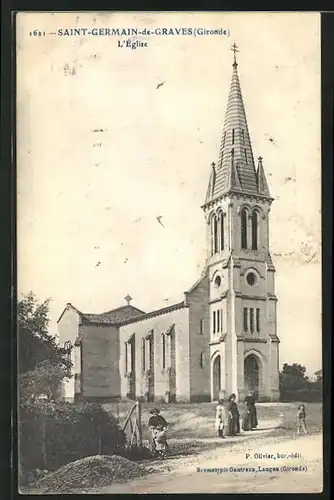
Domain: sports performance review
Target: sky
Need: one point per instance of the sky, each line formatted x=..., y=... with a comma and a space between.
x=102, y=152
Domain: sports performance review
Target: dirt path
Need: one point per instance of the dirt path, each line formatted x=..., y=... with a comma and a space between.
x=183, y=475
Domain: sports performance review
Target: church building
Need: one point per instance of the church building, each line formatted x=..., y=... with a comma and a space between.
x=222, y=337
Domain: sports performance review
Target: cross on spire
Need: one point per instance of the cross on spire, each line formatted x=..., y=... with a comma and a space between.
x=128, y=299
x=234, y=49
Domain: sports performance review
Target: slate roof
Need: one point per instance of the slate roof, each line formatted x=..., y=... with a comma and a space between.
x=235, y=170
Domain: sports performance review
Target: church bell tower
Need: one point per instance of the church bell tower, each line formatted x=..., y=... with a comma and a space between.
x=244, y=347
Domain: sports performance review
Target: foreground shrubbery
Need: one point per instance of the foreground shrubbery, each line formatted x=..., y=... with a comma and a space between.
x=54, y=434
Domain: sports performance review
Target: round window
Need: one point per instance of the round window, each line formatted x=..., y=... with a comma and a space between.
x=251, y=279
x=218, y=281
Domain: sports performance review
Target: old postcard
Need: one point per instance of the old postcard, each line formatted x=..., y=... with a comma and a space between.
x=169, y=252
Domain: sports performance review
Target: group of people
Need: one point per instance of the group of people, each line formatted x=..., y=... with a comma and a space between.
x=227, y=421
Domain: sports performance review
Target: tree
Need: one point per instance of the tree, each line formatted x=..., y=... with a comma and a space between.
x=44, y=380
x=35, y=343
x=42, y=363
x=318, y=375
x=293, y=378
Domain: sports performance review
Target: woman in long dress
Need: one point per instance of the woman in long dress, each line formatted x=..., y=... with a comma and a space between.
x=220, y=421
x=154, y=422
x=233, y=423
x=249, y=421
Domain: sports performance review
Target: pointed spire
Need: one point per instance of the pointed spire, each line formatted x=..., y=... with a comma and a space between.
x=262, y=184
x=235, y=168
x=212, y=180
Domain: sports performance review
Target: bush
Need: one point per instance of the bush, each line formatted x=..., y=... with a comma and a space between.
x=306, y=395
x=136, y=453
x=54, y=434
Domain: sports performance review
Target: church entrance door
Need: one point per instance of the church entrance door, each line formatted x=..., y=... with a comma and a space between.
x=216, y=378
x=251, y=371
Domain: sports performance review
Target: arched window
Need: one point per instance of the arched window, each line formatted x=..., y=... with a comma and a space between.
x=222, y=231
x=215, y=234
x=254, y=230
x=243, y=228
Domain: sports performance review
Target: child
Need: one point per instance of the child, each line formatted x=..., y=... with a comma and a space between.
x=301, y=419
x=220, y=418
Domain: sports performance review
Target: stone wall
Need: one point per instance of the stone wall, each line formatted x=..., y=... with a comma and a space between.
x=100, y=362
x=176, y=324
x=199, y=327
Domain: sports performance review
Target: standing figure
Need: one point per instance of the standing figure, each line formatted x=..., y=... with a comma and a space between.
x=220, y=422
x=233, y=423
x=249, y=421
x=301, y=419
x=157, y=427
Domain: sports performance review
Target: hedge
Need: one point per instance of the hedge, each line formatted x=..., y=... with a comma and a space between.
x=54, y=434
x=306, y=395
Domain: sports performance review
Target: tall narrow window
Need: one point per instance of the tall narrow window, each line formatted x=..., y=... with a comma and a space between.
x=218, y=321
x=224, y=139
x=68, y=347
x=232, y=155
x=245, y=319
x=243, y=136
x=143, y=342
x=149, y=353
x=246, y=160
x=233, y=135
x=218, y=232
x=201, y=326
x=214, y=321
x=251, y=311
x=254, y=230
x=215, y=234
x=221, y=320
x=222, y=231
x=163, y=341
x=212, y=236
x=244, y=228
x=126, y=357
x=257, y=320
x=201, y=360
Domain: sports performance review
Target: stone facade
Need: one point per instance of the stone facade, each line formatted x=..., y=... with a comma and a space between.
x=222, y=338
